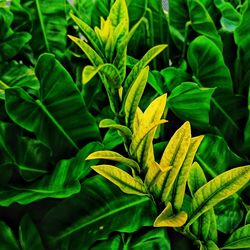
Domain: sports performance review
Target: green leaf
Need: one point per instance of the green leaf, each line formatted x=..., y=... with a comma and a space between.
x=118, y=12
x=229, y=214
x=89, y=33
x=109, y=123
x=150, y=239
x=208, y=65
x=239, y=239
x=29, y=236
x=61, y=183
x=92, y=55
x=134, y=95
x=190, y=102
x=49, y=26
x=101, y=209
x=218, y=189
x=122, y=179
x=217, y=159
x=59, y=99
x=113, y=156
x=108, y=70
x=202, y=23
x=168, y=219
x=7, y=238
x=139, y=66
x=230, y=18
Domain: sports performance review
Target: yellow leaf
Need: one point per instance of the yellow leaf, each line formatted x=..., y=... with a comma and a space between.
x=113, y=156
x=122, y=179
x=182, y=178
x=168, y=219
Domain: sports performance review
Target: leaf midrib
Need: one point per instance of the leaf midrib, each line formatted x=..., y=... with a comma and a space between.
x=114, y=211
x=40, y=16
x=235, y=241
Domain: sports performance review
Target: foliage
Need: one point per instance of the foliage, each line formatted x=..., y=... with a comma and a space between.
x=123, y=126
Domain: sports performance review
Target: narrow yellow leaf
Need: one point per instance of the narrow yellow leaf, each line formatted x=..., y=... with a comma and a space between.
x=113, y=156
x=168, y=219
x=182, y=178
x=122, y=179
x=137, y=120
x=174, y=155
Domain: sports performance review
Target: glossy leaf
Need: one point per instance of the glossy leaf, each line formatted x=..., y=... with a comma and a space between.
x=218, y=189
x=29, y=236
x=59, y=99
x=134, y=95
x=49, y=26
x=239, y=239
x=101, y=209
x=208, y=65
x=122, y=179
x=168, y=219
x=113, y=156
x=190, y=102
x=7, y=238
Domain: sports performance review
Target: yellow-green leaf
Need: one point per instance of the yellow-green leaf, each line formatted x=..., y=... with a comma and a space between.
x=137, y=120
x=140, y=135
x=109, y=123
x=110, y=72
x=89, y=33
x=239, y=239
x=184, y=172
x=122, y=179
x=174, y=155
x=146, y=59
x=168, y=219
x=218, y=189
x=113, y=156
x=118, y=12
x=94, y=58
x=134, y=96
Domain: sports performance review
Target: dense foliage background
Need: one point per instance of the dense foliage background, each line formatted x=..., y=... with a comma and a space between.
x=71, y=84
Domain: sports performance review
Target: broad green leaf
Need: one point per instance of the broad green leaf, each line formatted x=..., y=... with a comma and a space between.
x=208, y=65
x=112, y=139
x=61, y=183
x=150, y=239
x=247, y=128
x=118, y=12
x=122, y=179
x=29, y=236
x=30, y=157
x=229, y=214
x=101, y=209
x=11, y=42
x=109, y=71
x=7, y=238
x=49, y=26
x=190, y=102
x=89, y=33
x=230, y=18
x=182, y=177
x=178, y=17
x=109, y=123
x=218, y=189
x=173, y=77
x=48, y=116
x=14, y=74
x=217, y=159
x=139, y=66
x=239, y=239
x=211, y=245
x=92, y=55
x=113, y=156
x=242, y=38
x=134, y=95
x=202, y=23
x=168, y=219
